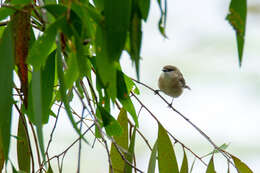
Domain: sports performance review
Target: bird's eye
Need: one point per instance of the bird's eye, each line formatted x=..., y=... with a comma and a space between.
x=167, y=70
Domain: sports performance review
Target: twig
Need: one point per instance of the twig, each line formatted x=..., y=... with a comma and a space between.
x=95, y=119
x=185, y=118
x=176, y=140
x=36, y=144
x=123, y=157
x=68, y=148
x=52, y=132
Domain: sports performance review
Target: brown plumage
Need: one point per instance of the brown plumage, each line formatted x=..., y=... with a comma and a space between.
x=171, y=81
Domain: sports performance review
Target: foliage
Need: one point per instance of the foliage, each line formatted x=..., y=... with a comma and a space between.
x=76, y=55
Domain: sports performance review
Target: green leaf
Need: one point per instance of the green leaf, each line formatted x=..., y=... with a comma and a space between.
x=211, y=168
x=184, y=165
x=49, y=1
x=152, y=161
x=88, y=24
x=144, y=6
x=49, y=169
x=241, y=166
x=93, y=13
x=123, y=96
x=81, y=58
x=237, y=19
x=63, y=88
x=99, y=4
x=122, y=141
x=43, y=46
x=6, y=85
x=130, y=85
x=130, y=153
x=72, y=73
x=136, y=40
x=192, y=165
x=162, y=21
x=106, y=68
x=2, y=158
x=117, y=18
x=112, y=127
x=20, y=2
x=166, y=156
x=222, y=147
x=5, y=12
x=23, y=150
x=36, y=90
x=47, y=84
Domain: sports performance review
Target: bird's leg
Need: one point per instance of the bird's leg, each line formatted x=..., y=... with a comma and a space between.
x=156, y=92
x=170, y=105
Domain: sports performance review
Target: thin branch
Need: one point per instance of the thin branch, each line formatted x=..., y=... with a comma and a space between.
x=185, y=118
x=123, y=157
x=175, y=139
x=52, y=132
x=68, y=148
x=95, y=119
x=36, y=144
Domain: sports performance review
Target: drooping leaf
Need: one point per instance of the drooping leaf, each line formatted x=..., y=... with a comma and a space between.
x=42, y=47
x=241, y=166
x=63, y=88
x=166, y=155
x=6, y=85
x=36, y=90
x=237, y=19
x=72, y=73
x=117, y=18
x=112, y=127
x=99, y=4
x=131, y=86
x=62, y=20
x=211, y=168
x=84, y=69
x=162, y=21
x=152, y=162
x=23, y=150
x=82, y=10
x=184, y=165
x=135, y=40
x=123, y=96
x=2, y=158
x=106, y=68
x=47, y=85
x=130, y=153
x=122, y=141
x=144, y=6
x=49, y=169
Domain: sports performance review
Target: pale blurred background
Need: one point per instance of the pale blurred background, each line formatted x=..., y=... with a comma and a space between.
x=224, y=101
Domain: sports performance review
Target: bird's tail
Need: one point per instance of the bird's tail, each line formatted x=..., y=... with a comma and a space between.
x=186, y=86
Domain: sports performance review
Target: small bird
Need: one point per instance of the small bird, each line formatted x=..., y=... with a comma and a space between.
x=171, y=82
